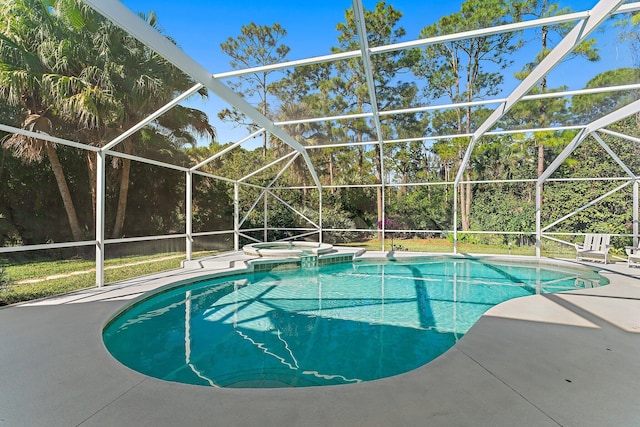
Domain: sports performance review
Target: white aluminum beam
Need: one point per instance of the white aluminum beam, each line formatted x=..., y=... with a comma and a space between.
x=289, y=163
x=265, y=167
x=361, y=28
x=292, y=208
x=596, y=125
x=263, y=194
x=297, y=236
x=412, y=110
x=46, y=246
x=188, y=200
x=598, y=14
x=115, y=141
x=265, y=217
x=538, y=220
x=451, y=136
x=368, y=67
x=620, y=135
x=249, y=237
x=100, y=213
x=611, y=118
x=221, y=178
x=145, y=160
x=320, y=237
x=325, y=119
x=636, y=209
x=518, y=26
x=613, y=155
x=146, y=238
x=47, y=137
x=212, y=233
x=227, y=149
x=547, y=95
x=591, y=203
x=236, y=217
x=289, y=64
x=131, y=23
x=562, y=156
x=246, y=184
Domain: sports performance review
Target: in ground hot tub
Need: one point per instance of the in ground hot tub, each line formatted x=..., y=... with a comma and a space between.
x=286, y=249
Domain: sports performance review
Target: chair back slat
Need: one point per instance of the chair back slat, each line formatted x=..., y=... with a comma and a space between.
x=588, y=242
x=597, y=242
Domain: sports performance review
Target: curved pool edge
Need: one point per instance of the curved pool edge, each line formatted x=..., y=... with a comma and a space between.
x=480, y=381
x=358, y=256
x=495, y=311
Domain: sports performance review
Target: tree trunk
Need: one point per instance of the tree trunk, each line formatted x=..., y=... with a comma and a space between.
x=118, y=225
x=76, y=230
x=264, y=145
x=540, y=168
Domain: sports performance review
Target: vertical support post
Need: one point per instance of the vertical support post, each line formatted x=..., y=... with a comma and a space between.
x=383, y=227
x=100, y=196
x=236, y=217
x=636, y=208
x=320, y=214
x=265, y=233
x=538, y=219
x=189, y=214
x=455, y=218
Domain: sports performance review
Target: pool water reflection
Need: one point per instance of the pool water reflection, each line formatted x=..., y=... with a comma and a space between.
x=336, y=324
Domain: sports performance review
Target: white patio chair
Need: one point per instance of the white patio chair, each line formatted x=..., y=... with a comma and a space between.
x=633, y=255
x=594, y=248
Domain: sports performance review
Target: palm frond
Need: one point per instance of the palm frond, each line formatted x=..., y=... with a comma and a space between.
x=27, y=148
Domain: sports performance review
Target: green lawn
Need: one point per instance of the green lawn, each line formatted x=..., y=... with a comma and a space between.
x=79, y=274
x=551, y=249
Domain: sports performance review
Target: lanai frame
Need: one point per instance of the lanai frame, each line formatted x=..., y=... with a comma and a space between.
x=587, y=22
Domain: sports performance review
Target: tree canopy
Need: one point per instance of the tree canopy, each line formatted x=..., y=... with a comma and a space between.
x=67, y=71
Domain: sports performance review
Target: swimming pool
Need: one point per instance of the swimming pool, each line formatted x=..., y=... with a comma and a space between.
x=337, y=324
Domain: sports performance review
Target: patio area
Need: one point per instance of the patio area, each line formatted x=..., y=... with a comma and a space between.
x=566, y=359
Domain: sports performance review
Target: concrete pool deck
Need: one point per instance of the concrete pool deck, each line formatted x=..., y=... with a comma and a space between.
x=570, y=359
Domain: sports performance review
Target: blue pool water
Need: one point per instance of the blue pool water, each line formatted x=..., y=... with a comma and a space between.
x=337, y=324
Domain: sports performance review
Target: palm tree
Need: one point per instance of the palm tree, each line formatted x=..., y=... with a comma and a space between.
x=143, y=81
x=91, y=80
x=30, y=150
x=28, y=50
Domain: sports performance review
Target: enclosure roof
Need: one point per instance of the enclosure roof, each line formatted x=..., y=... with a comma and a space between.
x=584, y=22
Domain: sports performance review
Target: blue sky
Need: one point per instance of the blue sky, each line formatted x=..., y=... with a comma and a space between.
x=200, y=26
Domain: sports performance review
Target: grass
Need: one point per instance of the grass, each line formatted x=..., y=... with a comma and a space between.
x=79, y=274
x=43, y=269
x=551, y=249
x=33, y=280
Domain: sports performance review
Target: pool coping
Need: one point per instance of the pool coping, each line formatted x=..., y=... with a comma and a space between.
x=555, y=359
